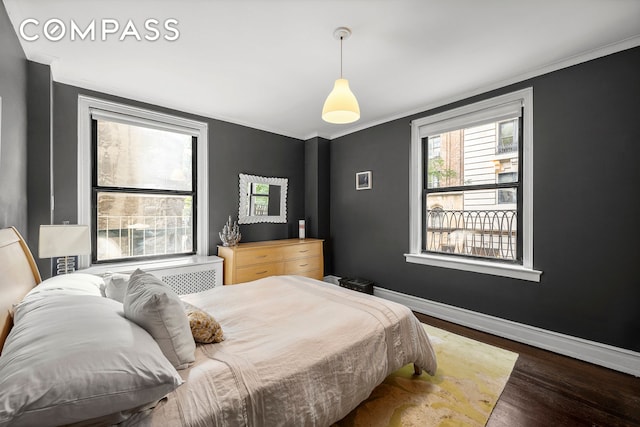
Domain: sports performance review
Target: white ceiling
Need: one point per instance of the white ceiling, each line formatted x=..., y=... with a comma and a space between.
x=270, y=64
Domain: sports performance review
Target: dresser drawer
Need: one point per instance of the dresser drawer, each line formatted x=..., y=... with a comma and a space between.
x=258, y=256
x=302, y=251
x=254, y=272
x=302, y=265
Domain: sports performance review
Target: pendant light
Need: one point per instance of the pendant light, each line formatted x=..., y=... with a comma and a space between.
x=341, y=106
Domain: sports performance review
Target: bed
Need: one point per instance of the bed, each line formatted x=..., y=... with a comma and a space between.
x=296, y=352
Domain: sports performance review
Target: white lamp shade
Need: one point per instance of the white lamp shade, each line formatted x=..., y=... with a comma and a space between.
x=64, y=240
x=341, y=106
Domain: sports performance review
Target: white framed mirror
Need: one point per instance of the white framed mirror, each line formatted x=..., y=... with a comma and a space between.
x=262, y=199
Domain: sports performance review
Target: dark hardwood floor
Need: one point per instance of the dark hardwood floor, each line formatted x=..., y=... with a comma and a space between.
x=548, y=389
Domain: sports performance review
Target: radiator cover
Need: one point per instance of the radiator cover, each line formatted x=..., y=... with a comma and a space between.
x=194, y=274
x=188, y=280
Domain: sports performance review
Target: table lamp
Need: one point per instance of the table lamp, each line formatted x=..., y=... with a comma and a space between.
x=64, y=241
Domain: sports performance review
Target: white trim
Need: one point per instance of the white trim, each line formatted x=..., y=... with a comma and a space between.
x=86, y=105
x=476, y=266
x=415, y=190
x=52, y=200
x=480, y=109
x=468, y=116
x=175, y=127
x=527, y=178
x=616, y=358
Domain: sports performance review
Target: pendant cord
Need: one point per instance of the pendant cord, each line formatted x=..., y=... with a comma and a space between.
x=341, y=37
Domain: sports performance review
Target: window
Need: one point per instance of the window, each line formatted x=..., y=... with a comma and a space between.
x=471, y=205
x=507, y=136
x=434, y=147
x=142, y=183
x=507, y=195
x=435, y=161
x=259, y=199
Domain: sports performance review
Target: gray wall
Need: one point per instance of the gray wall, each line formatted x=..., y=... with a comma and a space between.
x=13, y=124
x=586, y=234
x=39, y=155
x=233, y=149
x=317, y=194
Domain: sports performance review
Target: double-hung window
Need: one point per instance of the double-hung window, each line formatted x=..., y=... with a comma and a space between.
x=472, y=189
x=144, y=191
x=258, y=199
x=142, y=182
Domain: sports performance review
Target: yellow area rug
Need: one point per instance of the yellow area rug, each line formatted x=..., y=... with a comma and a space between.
x=470, y=378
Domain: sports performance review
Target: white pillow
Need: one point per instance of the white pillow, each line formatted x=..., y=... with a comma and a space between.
x=157, y=308
x=116, y=285
x=71, y=358
x=71, y=284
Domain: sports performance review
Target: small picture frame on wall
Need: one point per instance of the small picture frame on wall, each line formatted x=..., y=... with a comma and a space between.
x=363, y=180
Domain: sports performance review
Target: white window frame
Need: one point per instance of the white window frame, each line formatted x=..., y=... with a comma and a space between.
x=465, y=117
x=143, y=117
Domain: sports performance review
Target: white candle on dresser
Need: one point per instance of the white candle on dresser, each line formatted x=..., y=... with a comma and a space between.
x=301, y=229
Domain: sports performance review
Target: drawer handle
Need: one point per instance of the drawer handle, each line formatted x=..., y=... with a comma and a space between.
x=303, y=265
x=261, y=256
x=306, y=250
x=261, y=272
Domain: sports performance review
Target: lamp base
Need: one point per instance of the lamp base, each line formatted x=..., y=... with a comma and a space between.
x=65, y=265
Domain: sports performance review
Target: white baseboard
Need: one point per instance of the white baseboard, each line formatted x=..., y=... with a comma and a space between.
x=616, y=358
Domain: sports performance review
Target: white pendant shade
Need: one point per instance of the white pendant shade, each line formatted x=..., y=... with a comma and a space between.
x=341, y=106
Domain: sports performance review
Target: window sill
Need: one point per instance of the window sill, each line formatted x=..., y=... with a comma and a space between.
x=131, y=266
x=476, y=266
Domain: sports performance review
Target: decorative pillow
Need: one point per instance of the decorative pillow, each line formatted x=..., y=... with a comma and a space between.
x=116, y=285
x=204, y=327
x=70, y=358
x=71, y=284
x=153, y=305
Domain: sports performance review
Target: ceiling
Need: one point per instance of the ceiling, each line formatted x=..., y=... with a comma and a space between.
x=271, y=64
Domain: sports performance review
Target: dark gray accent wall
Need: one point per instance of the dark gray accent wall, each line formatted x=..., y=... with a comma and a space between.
x=238, y=149
x=586, y=150
x=13, y=127
x=317, y=194
x=233, y=149
x=39, y=155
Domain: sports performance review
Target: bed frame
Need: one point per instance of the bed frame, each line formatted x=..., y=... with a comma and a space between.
x=18, y=275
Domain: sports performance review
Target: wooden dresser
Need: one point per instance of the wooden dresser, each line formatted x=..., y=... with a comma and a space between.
x=255, y=260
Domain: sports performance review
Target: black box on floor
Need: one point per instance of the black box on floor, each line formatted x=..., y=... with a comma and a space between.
x=355, y=284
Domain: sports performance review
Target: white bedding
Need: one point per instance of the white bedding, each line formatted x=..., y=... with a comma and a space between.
x=297, y=352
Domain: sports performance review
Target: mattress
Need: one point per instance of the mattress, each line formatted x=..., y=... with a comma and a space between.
x=297, y=352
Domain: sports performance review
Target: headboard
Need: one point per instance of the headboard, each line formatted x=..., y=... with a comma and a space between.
x=18, y=275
